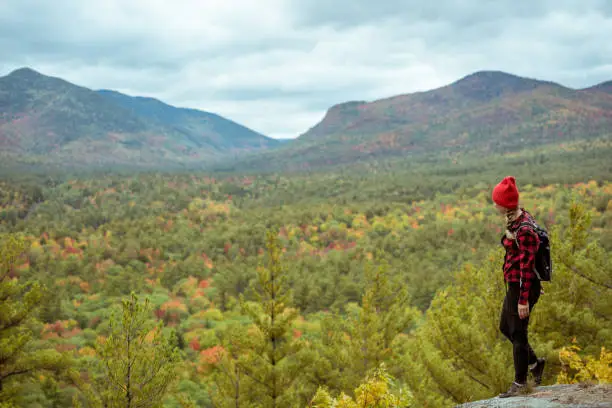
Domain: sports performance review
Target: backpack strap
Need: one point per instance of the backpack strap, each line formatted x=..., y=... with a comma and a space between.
x=527, y=223
x=521, y=225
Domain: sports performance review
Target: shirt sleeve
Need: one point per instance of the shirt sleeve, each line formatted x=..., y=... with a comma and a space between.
x=528, y=242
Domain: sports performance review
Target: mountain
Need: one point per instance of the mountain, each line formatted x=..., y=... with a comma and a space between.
x=47, y=119
x=486, y=112
x=603, y=87
x=203, y=128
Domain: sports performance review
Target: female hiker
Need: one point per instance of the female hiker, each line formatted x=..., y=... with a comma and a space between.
x=522, y=285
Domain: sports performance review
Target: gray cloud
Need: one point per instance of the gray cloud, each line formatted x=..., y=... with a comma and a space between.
x=277, y=65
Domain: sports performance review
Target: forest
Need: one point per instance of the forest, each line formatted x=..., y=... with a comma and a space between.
x=374, y=284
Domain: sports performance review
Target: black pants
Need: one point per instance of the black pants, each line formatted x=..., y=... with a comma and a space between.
x=515, y=328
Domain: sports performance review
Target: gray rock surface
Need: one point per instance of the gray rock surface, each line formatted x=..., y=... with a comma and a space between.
x=554, y=396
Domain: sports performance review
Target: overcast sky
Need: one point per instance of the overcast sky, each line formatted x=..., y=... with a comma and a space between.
x=277, y=65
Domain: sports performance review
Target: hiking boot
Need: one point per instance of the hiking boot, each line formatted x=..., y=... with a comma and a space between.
x=515, y=390
x=537, y=371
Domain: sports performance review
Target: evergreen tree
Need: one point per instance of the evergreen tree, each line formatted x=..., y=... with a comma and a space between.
x=22, y=358
x=458, y=354
x=385, y=313
x=230, y=281
x=271, y=360
x=231, y=387
x=577, y=305
x=136, y=363
x=352, y=347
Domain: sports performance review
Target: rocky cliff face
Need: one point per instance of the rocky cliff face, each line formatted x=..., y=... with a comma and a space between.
x=554, y=396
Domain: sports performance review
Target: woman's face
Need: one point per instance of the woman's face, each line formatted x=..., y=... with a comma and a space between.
x=501, y=210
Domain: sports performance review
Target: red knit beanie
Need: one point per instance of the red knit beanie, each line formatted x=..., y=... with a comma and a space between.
x=506, y=194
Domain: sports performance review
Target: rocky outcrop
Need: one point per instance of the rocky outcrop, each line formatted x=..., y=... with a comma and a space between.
x=554, y=396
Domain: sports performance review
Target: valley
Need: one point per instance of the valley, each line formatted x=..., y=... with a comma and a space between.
x=289, y=275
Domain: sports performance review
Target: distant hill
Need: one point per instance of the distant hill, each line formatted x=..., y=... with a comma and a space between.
x=603, y=87
x=47, y=119
x=202, y=128
x=487, y=112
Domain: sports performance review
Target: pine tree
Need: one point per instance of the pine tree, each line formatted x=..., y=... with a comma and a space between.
x=230, y=388
x=385, y=313
x=271, y=358
x=577, y=304
x=136, y=363
x=458, y=354
x=354, y=346
x=21, y=358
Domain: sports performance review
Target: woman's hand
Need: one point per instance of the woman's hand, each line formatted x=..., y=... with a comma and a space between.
x=523, y=310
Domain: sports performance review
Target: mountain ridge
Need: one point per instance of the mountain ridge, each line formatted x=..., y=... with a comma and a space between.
x=188, y=120
x=486, y=82
x=45, y=118
x=485, y=112
x=603, y=86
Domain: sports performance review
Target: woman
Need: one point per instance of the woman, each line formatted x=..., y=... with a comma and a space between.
x=522, y=285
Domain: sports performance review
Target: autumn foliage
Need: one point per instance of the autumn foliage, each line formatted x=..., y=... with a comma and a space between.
x=305, y=285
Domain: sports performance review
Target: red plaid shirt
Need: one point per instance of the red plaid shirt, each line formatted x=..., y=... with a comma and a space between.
x=519, y=261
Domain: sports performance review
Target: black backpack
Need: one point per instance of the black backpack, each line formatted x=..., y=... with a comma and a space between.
x=543, y=263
